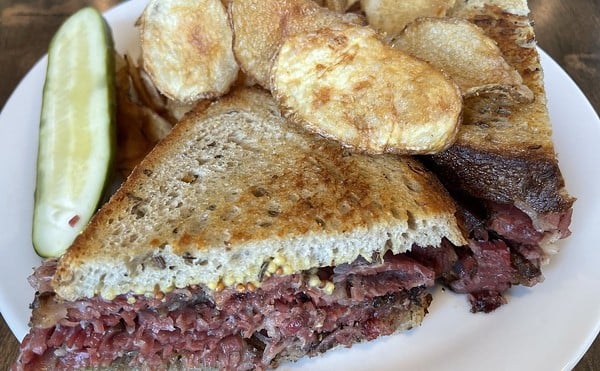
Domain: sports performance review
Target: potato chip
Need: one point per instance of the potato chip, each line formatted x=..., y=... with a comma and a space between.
x=187, y=48
x=340, y=6
x=144, y=116
x=260, y=26
x=391, y=16
x=348, y=85
x=463, y=51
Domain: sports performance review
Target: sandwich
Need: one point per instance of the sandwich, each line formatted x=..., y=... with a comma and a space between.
x=245, y=239
x=241, y=241
x=503, y=170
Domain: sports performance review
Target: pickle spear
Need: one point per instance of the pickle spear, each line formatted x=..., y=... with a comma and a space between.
x=77, y=131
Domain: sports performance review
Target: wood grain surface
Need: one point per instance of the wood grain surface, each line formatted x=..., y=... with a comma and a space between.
x=568, y=30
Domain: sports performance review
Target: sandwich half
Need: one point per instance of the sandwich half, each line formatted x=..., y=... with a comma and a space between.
x=503, y=169
x=239, y=242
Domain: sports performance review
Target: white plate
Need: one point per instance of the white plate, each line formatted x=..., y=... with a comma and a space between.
x=547, y=327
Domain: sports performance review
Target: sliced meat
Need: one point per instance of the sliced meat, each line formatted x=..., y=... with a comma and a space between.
x=412, y=273
x=287, y=317
x=513, y=224
x=394, y=273
x=486, y=301
x=526, y=261
x=41, y=278
x=504, y=250
x=486, y=268
x=559, y=222
x=440, y=260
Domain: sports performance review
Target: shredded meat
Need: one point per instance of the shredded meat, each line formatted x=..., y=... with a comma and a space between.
x=503, y=250
x=513, y=224
x=42, y=276
x=284, y=318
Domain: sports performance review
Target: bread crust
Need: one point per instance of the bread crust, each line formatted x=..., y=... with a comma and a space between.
x=528, y=179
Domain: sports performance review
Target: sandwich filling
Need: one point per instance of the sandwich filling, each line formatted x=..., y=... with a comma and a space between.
x=504, y=249
x=289, y=316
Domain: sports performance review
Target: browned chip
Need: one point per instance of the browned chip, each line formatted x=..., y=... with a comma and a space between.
x=187, y=48
x=260, y=26
x=391, y=16
x=346, y=84
x=144, y=116
x=339, y=6
x=466, y=53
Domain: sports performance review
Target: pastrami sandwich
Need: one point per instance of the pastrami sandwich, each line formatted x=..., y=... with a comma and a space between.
x=239, y=242
x=503, y=168
x=243, y=241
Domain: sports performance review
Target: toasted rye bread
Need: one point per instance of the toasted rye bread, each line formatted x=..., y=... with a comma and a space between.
x=234, y=188
x=510, y=142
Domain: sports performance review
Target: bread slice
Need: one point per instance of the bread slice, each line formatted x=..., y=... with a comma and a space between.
x=504, y=152
x=235, y=188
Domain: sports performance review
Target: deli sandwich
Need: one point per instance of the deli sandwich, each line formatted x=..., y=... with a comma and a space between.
x=245, y=239
x=238, y=242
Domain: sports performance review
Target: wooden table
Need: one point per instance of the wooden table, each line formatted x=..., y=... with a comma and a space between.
x=568, y=30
